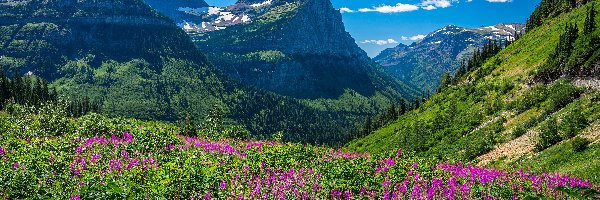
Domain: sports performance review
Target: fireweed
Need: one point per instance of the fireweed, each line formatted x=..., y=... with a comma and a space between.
x=123, y=166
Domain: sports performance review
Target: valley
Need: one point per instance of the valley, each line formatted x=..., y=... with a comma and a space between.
x=275, y=99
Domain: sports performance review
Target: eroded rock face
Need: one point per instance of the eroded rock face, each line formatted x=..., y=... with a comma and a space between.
x=423, y=63
x=296, y=48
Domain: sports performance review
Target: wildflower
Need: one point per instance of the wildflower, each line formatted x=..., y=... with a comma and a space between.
x=132, y=164
x=348, y=195
x=1, y=151
x=127, y=137
x=78, y=150
x=207, y=197
x=124, y=154
x=75, y=198
x=223, y=185
x=95, y=158
x=115, y=165
x=399, y=153
x=15, y=166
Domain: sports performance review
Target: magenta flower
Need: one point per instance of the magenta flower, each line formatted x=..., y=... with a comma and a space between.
x=78, y=150
x=75, y=198
x=15, y=166
x=115, y=165
x=1, y=151
x=207, y=196
x=124, y=154
x=127, y=137
x=399, y=153
x=223, y=185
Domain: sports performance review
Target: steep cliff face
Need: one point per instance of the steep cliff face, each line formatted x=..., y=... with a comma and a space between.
x=41, y=36
x=296, y=48
x=185, y=13
x=423, y=63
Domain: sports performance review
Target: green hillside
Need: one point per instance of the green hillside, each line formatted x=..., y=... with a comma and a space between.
x=501, y=106
x=139, y=64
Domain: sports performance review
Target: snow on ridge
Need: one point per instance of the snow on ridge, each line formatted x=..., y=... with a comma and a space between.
x=256, y=5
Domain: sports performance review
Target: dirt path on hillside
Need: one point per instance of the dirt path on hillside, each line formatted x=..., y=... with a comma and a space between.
x=484, y=124
x=512, y=149
x=592, y=133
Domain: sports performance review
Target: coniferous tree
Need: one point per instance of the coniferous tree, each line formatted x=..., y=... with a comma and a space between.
x=590, y=21
x=446, y=80
x=403, y=107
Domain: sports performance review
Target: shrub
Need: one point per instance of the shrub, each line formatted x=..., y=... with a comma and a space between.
x=518, y=131
x=548, y=135
x=579, y=144
x=573, y=122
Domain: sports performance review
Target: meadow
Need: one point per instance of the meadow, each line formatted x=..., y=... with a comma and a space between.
x=96, y=157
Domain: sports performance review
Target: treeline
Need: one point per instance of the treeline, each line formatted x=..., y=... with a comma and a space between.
x=24, y=90
x=551, y=8
x=479, y=58
x=33, y=91
x=391, y=114
x=576, y=52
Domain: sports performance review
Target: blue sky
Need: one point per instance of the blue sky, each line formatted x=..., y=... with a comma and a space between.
x=385, y=23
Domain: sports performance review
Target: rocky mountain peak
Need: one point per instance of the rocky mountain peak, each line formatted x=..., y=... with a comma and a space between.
x=423, y=62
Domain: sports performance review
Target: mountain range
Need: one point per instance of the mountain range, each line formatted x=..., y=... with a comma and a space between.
x=422, y=63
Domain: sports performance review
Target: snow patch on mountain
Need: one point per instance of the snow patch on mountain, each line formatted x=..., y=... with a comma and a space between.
x=257, y=5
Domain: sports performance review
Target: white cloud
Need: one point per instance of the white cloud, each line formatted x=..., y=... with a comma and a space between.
x=429, y=7
x=391, y=9
x=380, y=42
x=499, y=1
x=439, y=3
x=346, y=10
x=413, y=38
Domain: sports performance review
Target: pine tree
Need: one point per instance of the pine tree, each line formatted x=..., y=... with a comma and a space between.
x=403, y=107
x=367, y=127
x=590, y=21
x=4, y=89
x=445, y=81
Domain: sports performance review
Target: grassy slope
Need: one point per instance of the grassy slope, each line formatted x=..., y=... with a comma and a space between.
x=442, y=126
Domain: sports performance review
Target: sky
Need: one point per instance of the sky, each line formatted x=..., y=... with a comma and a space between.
x=380, y=24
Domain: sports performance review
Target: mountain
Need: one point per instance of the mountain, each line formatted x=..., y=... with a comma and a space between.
x=140, y=64
x=297, y=48
x=532, y=106
x=423, y=63
x=185, y=13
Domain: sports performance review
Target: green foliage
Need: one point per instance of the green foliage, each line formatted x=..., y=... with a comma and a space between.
x=213, y=122
x=278, y=136
x=579, y=144
x=580, y=192
x=589, y=25
x=548, y=9
x=46, y=119
x=548, y=135
x=572, y=123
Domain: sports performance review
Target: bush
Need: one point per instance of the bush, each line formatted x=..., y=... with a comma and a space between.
x=548, y=135
x=560, y=94
x=519, y=131
x=573, y=122
x=579, y=144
